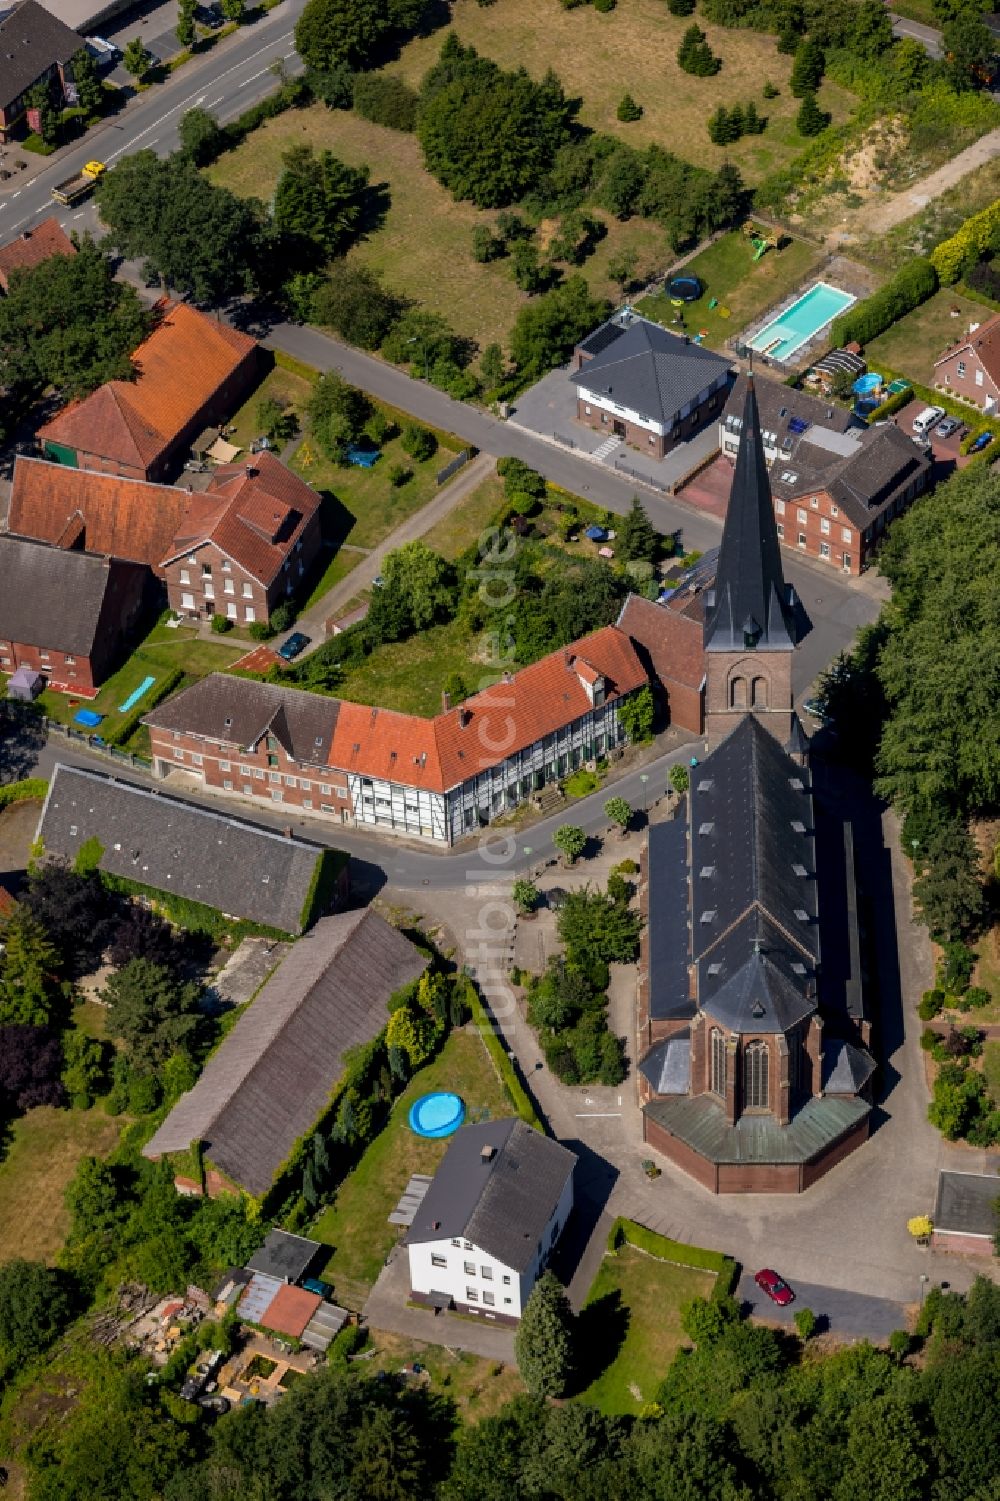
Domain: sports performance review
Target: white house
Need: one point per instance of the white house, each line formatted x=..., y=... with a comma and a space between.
x=490, y=1219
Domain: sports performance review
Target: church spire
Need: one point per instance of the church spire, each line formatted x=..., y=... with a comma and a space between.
x=749, y=607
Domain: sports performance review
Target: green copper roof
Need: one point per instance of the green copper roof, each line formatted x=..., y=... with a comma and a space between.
x=701, y=1124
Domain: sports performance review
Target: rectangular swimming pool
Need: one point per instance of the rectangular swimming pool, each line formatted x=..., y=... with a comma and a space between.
x=780, y=338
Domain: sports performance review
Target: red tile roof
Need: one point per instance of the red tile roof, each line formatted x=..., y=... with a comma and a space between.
x=290, y=1310
x=255, y=513
x=672, y=642
x=32, y=247
x=984, y=343
x=179, y=368
x=124, y=518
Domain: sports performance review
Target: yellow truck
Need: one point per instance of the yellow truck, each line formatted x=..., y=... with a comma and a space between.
x=75, y=188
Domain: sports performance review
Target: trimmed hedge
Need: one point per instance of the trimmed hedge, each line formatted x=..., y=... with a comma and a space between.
x=126, y=728
x=892, y=404
x=323, y=884
x=504, y=1067
x=977, y=238
x=18, y=792
x=912, y=285
x=726, y=1270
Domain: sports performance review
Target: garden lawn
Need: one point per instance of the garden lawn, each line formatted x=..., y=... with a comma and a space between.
x=747, y=288
x=337, y=568
x=652, y=1292
x=478, y=1387
x=986, y=974
x=44, y=1148
x=409, y=675
x=463, y=527
x=290, y=390
x=913, y=344
x=598, y=57
x=356, y=1223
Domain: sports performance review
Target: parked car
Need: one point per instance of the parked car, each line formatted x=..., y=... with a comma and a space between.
x=983, y=441
x=947, y=427
x=776, y=1287
x=216, y=1403
x=209, y=15
x=296, y=643
x=926, y=420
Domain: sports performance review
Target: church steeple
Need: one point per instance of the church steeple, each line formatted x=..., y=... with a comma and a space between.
x=749, y=608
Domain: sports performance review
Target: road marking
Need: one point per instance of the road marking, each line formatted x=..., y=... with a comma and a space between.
x=79, y=215
x=254, y=76
x=214, y=102
x=18, y=193
x=598, y=1115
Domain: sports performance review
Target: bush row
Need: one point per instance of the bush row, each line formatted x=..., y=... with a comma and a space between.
x=17, y=792
x=912, y=285
x=508, y=1074
x=977, y=239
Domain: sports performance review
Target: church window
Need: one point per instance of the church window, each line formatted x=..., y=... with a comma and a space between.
x=755, y=1076
x=759, y=693
x=718, y=1043
x=738, y=693
x=795, y=1062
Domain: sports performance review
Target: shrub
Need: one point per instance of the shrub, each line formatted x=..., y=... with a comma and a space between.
x=680, y=7
x=418, y=442
x=769, y=91
x=975, y=998
x=260, y=630
x=805, y=1323
x=221, y=624
x=956, y=966
x=399, y=475
x=385, y=99
x=680, y=778
x=929, y=1039
x=977, y=238
x=931, y=1005
x=900, y=1341
x=283, y=616
x=603, y=7
x=628, y=110
x=487, y=246
x=16, y=792
x=912, y=285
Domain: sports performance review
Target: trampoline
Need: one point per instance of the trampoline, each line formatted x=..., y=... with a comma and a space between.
x=684, y=288
x=438, y=1114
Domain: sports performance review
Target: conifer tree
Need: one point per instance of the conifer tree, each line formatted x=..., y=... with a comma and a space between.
x=544, y=1339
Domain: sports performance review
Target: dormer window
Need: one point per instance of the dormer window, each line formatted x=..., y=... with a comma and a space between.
x=801, y=914
x=709, y=915
x=707, y=872
x=799, y=870
x=706, y=828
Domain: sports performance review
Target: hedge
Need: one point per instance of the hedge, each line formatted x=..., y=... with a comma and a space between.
x=894, y=403
x=508, y=1074
x=322, y=885
x=194, y=917
x=977, y=238
x=725, y=1268
x=912, y=285
x=126, y=728
x=18, y=792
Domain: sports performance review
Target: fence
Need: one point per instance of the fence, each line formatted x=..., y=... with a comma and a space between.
x=457, y=463
x=644, y=479
x=564, y=440
x=96, y=744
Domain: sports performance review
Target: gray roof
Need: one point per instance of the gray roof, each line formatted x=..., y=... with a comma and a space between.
x=749, y=602
x=887, y=463
x=502, y=1204
x=967, y=1203
x=285, y=1256
x=667, y=1066
x=274, y=1073
x=846, y=1067
x=51, y=598
x=666, y=931
x=700, y=1122
x=31, y=40
x=241, y=869
x=756, y=989
x=782, y=409
x=240, y=711
x=653, y=372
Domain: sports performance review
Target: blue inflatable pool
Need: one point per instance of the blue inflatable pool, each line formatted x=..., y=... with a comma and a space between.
x=436, y=1114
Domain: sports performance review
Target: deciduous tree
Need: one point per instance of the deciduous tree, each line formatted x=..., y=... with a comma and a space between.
x=570, y=841
x=36, y=1304
x=152, y=1010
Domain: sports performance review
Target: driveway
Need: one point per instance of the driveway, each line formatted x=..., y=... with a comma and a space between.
x=843, y=1313
x=387, y=1309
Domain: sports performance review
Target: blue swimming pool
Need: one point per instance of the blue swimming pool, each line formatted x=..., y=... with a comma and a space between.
x=436, y=1114
x=811, y=312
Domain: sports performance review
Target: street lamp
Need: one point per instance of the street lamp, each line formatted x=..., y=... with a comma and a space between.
x=923, y=1287
x=914, y=845
x=419, y=339
x=643, y=779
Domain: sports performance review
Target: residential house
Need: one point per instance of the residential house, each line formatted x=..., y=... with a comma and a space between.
x=35, y=48
x=191, y=371
x=490, y=1219
x=274, y=1075
x=836, y=483
x=241, y=869
x=31, y=248
x=246, y=546
x=645, y=386
x=66, y=615
x=970, y=369
x=667, y=636
x=438, y=778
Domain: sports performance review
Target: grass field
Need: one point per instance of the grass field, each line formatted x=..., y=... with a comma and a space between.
x=356, y=1224
x=747, y=288
x=466, y=524
x=478, y=1387
x=44, y=1148
x=598, y=57
x=409, y=675
x=634, y=1307
x=916, y=341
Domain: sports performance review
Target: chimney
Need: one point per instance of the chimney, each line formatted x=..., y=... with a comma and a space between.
x=445, y=700
x=25, y=234
x=250, y=471
x=488, y=1153
x=464, y=715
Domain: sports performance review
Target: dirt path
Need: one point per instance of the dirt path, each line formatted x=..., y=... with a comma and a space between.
x=875, y=219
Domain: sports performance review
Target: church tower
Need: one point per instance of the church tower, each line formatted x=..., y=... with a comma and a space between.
x=749, y=611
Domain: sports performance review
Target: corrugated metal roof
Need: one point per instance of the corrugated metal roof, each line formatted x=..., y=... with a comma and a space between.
x=701, y=1124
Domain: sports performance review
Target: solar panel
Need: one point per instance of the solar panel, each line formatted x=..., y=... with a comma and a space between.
x=797, y=424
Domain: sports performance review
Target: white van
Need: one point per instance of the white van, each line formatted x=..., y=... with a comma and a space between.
x=925, y=420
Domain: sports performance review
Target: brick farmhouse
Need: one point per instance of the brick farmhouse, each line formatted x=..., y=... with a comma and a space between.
x=31, y=248
x=190, y=373
x=970, y=369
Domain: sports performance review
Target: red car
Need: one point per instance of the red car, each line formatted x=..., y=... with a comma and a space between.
x=777, y=1290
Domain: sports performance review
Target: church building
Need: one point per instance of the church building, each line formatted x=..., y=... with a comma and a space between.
x=754, y=1073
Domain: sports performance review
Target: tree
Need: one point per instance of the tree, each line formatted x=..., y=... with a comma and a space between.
x=695, y=55
x=620, y=812
x=810, y=119
x=492, y=366
x=74, y=911
x=621, y=268
x=526, y=896
x=805, y=1323
x=886, y=1453
x=705, y=1320
x=385, y=99
x=637, y=537
x=969, y=47
x=30, y=1067
x=68, y=323
x=948, y=894
x=89, y=89
x=547, y=330
x=680, y=778
x=720, y=126
x=201, y=136
x=570, y=841
x=413, y=1032
x=871, y=32
x=135, y=58
x=807, y=69
x=234, y=10
x=84, y=1068
x=352, y=301
x=143, y=934
x=152, y=1010
x=680, y=7
x=628, y=110
x=622, y=182
x=337, y=415
x=419, y=442
x=36, y=1304
x=598, y=930
x=636, y=715
x=340, y=31
x=319, y=200
x=544, y=1339
x=422, y=578
x=184, y=28
x=40, y=98
x=753, y=125
x=30, y=992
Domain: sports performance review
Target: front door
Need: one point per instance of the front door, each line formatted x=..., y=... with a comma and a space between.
x=618, y=427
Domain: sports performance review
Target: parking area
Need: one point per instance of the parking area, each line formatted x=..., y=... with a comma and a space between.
x=946, y=451
x=709, y=489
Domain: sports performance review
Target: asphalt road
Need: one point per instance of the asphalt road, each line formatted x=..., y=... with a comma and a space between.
x=856, y=1315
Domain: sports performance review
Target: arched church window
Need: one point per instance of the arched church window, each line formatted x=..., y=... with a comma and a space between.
x=755, y=1076
x=718, y=1054
x=759, y=693
x=738, y=693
